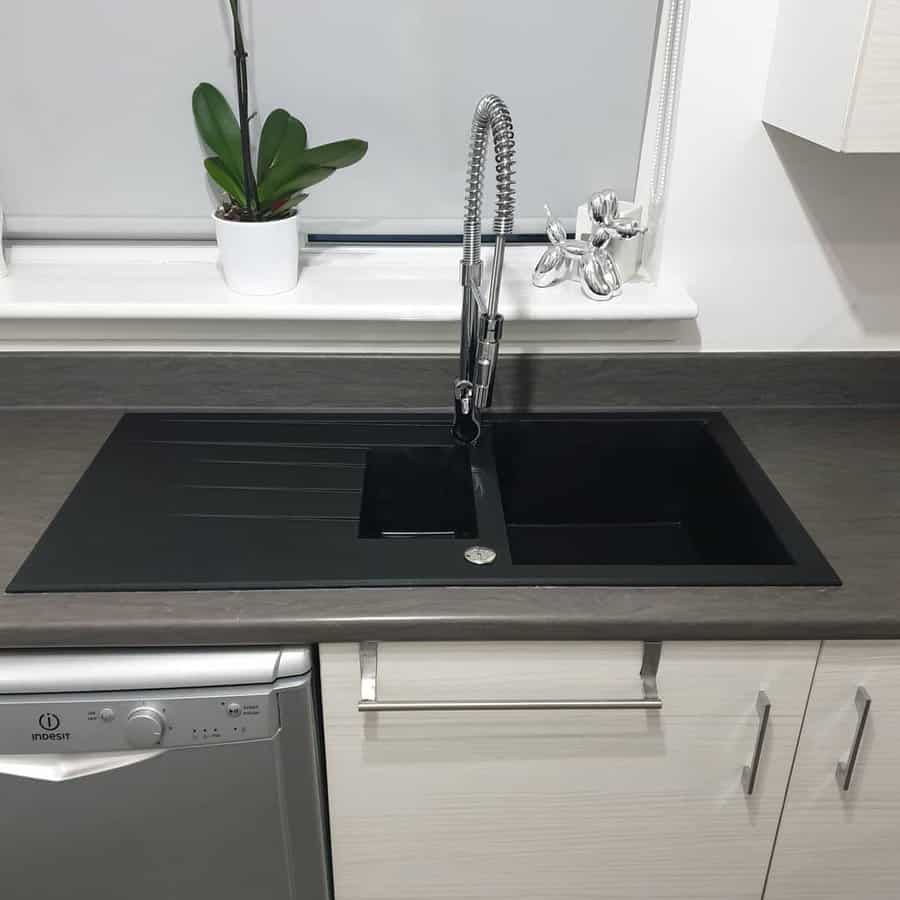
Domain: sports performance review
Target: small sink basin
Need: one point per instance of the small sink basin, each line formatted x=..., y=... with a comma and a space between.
x=418, y=492
x=637, y=491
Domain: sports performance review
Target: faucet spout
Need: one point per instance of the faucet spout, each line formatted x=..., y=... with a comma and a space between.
x=481, y=327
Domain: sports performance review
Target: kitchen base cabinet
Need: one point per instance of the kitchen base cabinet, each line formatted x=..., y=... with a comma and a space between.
x=834, y=843
x=528, y=804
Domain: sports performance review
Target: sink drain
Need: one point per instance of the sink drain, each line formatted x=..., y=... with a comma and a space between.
x=480, y=556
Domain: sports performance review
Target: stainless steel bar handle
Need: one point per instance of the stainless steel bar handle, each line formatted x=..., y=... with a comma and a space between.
x=369, y=702
x=59, y=767
x=749, y=775
x=844, y=770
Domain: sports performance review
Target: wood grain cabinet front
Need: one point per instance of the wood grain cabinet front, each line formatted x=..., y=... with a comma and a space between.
x=527, y=804
x=840, y=834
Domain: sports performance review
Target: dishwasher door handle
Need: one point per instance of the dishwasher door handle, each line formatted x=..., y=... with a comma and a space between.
x=69, y=766
x=369, y=702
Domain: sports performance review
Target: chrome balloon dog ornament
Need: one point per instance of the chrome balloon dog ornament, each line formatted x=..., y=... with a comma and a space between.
x=589, y=261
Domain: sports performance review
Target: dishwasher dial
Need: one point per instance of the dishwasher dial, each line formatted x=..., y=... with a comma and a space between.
x=145, y=727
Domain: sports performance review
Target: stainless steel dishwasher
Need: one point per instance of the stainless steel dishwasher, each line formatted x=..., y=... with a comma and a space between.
x=161, y=774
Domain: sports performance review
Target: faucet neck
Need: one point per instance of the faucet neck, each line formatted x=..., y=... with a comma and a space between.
x=481, y=326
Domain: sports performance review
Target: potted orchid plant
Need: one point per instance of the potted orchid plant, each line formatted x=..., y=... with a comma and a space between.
x=256, y=223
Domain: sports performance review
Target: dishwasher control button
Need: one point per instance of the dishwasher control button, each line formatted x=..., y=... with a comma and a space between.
x=107, y=714
x=145, y=727
x=234, y=710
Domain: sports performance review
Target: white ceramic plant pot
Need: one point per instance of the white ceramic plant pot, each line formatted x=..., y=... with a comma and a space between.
x=259, y=257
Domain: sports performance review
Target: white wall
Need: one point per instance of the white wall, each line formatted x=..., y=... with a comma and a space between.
x=783, y=244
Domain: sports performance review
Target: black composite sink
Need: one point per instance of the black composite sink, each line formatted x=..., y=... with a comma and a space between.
x=269, y=501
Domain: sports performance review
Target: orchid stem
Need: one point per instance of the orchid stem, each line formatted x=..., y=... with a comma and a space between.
x=240, y=58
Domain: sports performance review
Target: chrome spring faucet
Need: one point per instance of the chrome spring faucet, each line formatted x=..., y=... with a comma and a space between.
x=482, y=326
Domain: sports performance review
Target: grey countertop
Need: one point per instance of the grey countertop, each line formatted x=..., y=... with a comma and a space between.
x=838, y=468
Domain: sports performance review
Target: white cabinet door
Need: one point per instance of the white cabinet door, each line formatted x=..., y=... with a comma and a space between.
x=835, y=74
x=835, y=843
x=563, y=804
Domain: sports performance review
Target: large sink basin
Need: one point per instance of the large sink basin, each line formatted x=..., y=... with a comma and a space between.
x=276, y=501
x=641, y=492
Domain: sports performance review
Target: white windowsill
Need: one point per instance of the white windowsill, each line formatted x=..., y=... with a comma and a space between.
x=350, y=299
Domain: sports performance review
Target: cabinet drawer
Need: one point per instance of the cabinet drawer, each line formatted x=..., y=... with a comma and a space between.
x=581, y=803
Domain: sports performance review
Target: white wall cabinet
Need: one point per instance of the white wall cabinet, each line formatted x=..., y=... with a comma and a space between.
x=834, y=844
x=835, y=74
x=570, y=804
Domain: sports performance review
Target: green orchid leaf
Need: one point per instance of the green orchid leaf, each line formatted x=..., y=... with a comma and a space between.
x=295, y=140
x=337, y=155
x=270, y=139
x=283, y=137
x=284, y=206
x=218, y=127
x=288, y=177
x=222, y=177
x=288, y=202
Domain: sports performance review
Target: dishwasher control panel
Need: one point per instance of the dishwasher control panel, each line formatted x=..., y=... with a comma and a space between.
x=110, y=721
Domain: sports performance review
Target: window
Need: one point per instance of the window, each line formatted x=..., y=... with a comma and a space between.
x=98, y=138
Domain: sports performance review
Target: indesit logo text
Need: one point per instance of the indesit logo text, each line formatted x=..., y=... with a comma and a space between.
x=50, y=724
